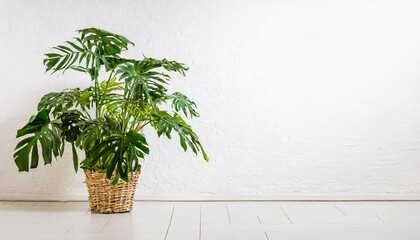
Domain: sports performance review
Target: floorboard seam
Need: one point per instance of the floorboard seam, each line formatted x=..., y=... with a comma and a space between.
x=380, y=218
x=286, y=215
x=109, y=219
x=170, y=221
x=259, y=219
x=227, y=210
x=199, y=236
x=40, y=220
x=340, y=210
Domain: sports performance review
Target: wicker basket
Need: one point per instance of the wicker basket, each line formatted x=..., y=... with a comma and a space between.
x=107, y=198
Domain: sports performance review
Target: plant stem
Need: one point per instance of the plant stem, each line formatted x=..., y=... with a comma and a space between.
x=124, y=120
x=106, y=87
x=97, y=110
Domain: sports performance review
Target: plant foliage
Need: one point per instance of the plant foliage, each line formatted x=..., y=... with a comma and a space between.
x=106, y=119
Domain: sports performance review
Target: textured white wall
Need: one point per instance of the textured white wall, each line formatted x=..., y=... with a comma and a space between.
x=296, y=97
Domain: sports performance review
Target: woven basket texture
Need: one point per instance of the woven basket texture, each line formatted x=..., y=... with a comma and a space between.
x=107, y=198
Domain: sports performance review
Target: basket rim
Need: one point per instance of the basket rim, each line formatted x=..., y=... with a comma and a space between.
x=93, y=175
x=96, y=172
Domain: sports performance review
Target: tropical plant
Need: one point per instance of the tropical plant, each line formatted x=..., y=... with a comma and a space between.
x=105, y=120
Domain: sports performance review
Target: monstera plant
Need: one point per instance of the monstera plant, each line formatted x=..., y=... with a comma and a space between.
x=105, y=120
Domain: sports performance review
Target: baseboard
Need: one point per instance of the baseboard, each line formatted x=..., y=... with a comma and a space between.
x=203, y=198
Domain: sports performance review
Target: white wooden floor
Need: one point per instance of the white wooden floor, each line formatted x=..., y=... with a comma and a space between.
x=213, y=221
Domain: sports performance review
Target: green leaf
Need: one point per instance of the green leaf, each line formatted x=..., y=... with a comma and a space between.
x=46, y=150
x=138, y=140
x=182, y=142
x=24, y=142
x=75, y=157
x=111, y=167
x=35, y=124
x=123, y=173
x=35, y=156
x=87, y=53
x=67, y=101
x=181, y=102
x=164, y=123
x=38, y=127
x=116, y=178
x=143, y=80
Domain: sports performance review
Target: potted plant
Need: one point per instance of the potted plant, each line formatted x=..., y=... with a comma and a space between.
x=105, y=120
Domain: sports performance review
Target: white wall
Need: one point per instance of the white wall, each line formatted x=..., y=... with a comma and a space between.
x=297, y=98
